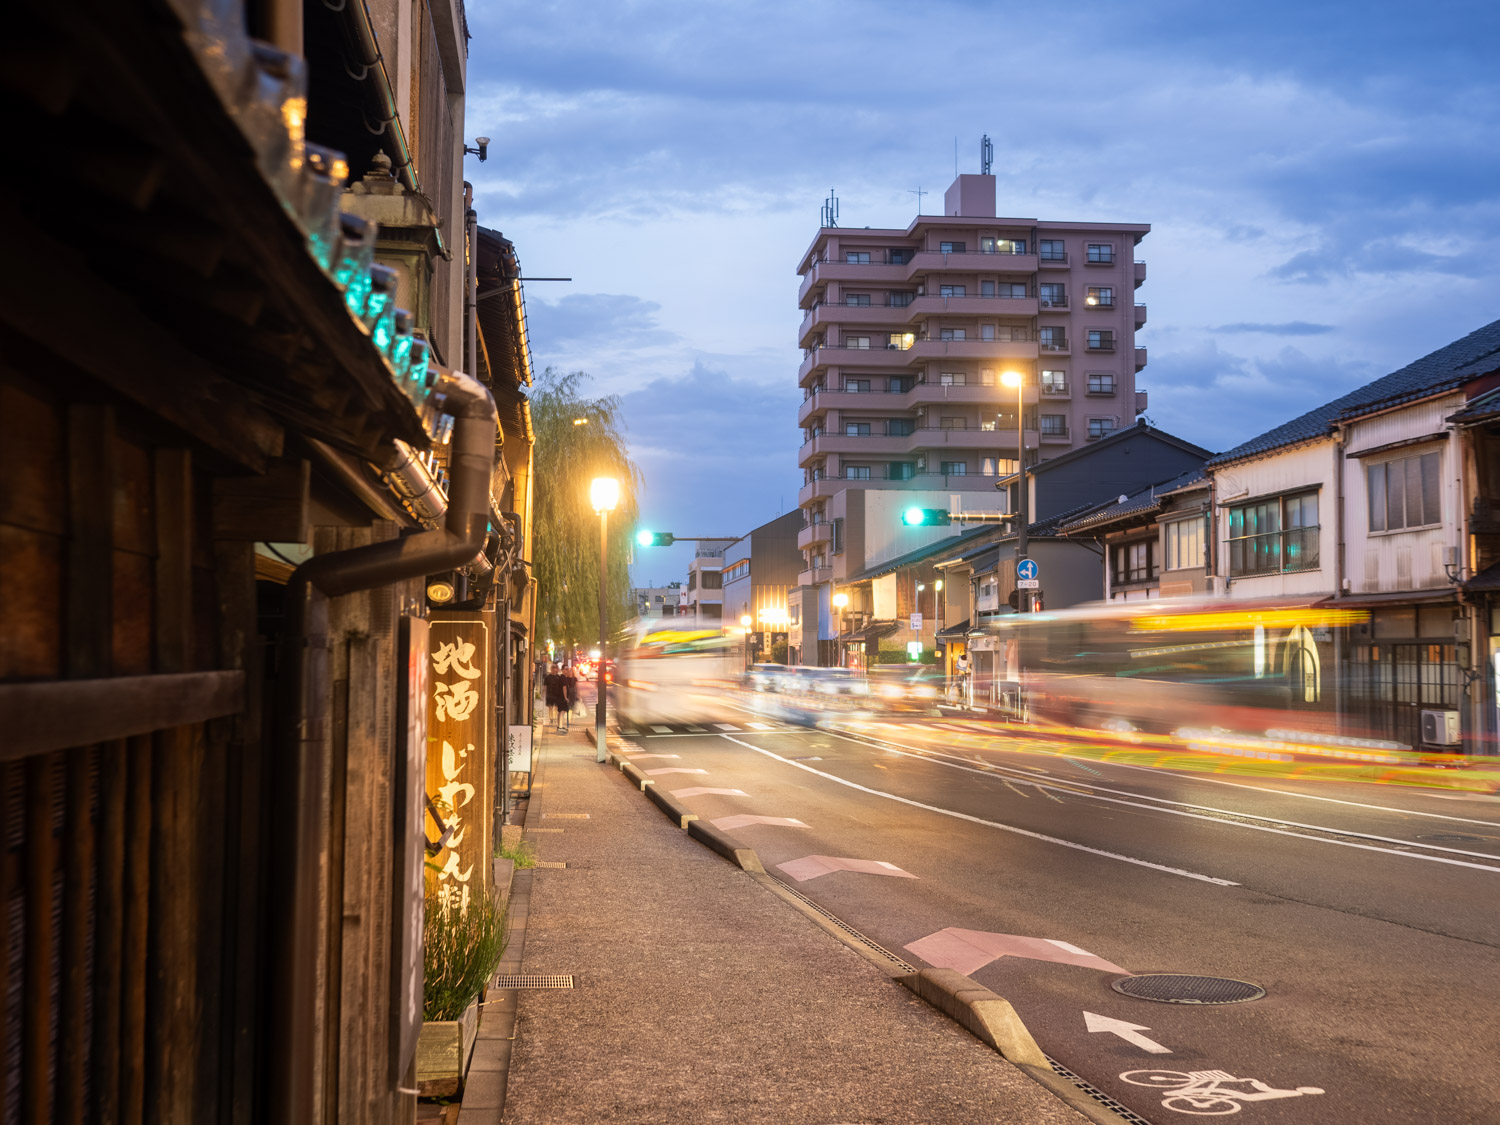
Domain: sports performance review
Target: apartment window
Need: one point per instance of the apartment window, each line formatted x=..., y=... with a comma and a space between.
x=857, y=386
x=952, y=333
x=1051, y=250
x=819, y=561
x=900, y=384
x=952, y=379
x=734, y=571
x=1055, y=424
x=986, y=245
x=1101, y=340
x=836, y=540
x=1405, y=493
x=900, y=341
x=1101, y=384
x=987, y=377
x=1275, y=535
x=1100, y=297
x=952, y=290
x=1100, y=428
x=1101, y=253
x=899, y=257
x=1184, y=544
x=901, y=470
x=1054, y=382
x=1053, y=339
x=987, y=424
x=856, y=258
x=1053, y=295
x=901, y=298
x=713, y=580
x=856, y=429
x=1135, y=562
x=1014, y=290
x=955, y=469
x=857, y=300
x=860, y=342
x=986, y=331
x=1010, y=246
x=986, y=288
x=899, y=427
x=952, y=247
x=952, y=422
x=856, y=472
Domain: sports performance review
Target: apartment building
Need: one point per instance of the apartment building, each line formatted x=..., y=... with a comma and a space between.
x=906, y=336
x=703, y=596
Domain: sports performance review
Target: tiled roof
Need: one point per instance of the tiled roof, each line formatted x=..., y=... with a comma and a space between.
x=1450, y=366
x=916, y=556
x=1140, y=503
x=1479, y=408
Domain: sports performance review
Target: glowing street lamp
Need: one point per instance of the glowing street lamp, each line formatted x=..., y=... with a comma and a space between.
x=1018, y=381
x=604, y=495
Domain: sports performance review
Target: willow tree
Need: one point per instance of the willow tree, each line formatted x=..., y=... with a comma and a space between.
x=577, y=439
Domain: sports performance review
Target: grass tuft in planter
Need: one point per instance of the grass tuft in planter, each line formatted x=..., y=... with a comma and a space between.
x=461, y=951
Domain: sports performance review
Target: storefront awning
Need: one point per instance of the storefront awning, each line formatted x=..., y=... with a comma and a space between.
x=957, y=632
x=870, y=634
x=1390, y=598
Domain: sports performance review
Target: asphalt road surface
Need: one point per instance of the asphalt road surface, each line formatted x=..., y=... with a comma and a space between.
x=1366, y=913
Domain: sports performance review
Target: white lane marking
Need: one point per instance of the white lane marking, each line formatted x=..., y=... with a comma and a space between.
x=988, y=823
x=1096, y=791
x=1016, y=791
x=1130, y=1032
x=638, y=757
x=701, y=791
x=672, y=769
x=744, y=820
x=725, y=726
x=759, y=726
x=662, y=730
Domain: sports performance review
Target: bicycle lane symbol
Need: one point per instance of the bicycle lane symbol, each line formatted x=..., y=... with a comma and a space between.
x=1209, y=1093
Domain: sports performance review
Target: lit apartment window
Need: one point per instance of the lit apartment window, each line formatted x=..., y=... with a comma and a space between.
x=952, y=290
x=986, y=331
x=1010, y=246
x=1184, y=544
x=1051, y=250
x=1100, y=428
x=900, y=470
x=861, y=342
x=856, y=258
x=1052, y=339
x=901, y=298
x=1271, y=536
x=952, y=247
x=986, y=288
x=1101, y=253
x=952, y=422
x=1053, y=295
x=1405, y=493
x=955, y=469
x=1101, y=384
x=1101, y=340
x=1055, y=425
x=857, y=300
x=856, y=472
x=952, y=333
x=857, y=386
x=1100, y=297
x=900, y=341
x=987, y=424
x=856, y=429
x=1054, y=382
x=952, y=379
x=899, y=427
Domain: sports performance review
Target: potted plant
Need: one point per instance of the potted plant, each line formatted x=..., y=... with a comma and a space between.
x=462, y=947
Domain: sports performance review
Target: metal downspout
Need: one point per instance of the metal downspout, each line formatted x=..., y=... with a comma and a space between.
x=301, y=746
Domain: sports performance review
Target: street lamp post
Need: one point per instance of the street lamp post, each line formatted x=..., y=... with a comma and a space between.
x=1018, y=381
x=604, y=494
x=841, y=603
x=745, y=621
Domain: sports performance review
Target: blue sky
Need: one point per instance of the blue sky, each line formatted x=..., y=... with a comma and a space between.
x=1320, y=180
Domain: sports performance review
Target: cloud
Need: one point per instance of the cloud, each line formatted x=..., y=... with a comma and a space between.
x=588, y=319
x=1287, y=328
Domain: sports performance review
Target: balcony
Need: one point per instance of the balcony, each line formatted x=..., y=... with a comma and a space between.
x=1058, y=302
x=973, y=349
x=1059, y=347
x=819, y=489
x=875, y=273
x=814, y=533
x=929, y=305
x=814, y=576
x=1055, y=437
x=1140, y=358
x=1140, y=315
x=1140, y=273
x=827, y=399
x=1056, y=262
x=1055, y=390
x=1101, y=346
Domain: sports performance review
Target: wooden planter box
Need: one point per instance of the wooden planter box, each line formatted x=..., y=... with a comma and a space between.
x=443, y=1051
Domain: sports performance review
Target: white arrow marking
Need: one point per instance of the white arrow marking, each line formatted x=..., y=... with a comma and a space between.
x=1130, y=1032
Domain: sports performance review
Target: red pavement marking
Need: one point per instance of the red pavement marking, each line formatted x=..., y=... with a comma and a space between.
x=968, y=950
x=812, y=866
x=740, y=821
x=701, y=790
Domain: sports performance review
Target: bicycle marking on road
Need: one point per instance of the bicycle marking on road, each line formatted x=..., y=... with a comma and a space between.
x=989, y=823
x=1208, y=1093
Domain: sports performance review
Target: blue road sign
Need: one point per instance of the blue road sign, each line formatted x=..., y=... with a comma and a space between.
x=1027, y=570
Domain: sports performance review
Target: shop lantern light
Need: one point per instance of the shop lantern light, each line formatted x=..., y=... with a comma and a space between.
x=400, y=353
x=380, y=307
x=352, y=261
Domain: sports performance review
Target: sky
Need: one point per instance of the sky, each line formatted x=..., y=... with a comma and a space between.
x=1320, y=179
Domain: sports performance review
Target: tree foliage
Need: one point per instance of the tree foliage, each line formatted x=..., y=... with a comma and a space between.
x=565, y=528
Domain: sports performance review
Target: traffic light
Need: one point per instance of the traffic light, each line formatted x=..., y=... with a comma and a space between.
x=926, y=517
x=654, y=538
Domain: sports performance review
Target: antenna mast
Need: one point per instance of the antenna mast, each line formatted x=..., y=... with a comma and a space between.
x=919, y=193
x=986, y=155
x=831, y=210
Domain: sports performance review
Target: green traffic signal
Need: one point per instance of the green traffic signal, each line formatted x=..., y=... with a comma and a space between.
x=926, y=517
x=654, y=538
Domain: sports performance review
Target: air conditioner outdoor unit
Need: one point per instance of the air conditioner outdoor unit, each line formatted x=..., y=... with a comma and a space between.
x=1440, y=728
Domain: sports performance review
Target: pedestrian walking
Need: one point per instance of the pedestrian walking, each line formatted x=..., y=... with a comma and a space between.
x=570, y=692
x=557, y=696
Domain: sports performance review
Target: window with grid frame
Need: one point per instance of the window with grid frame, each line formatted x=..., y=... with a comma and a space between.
x=1101, y=340
x=1184, y=542
x=1055, y=424
x=856, y=258
x=1053, y=337
x=1101, y=253
x=1101, y=427
x=1275, y=535
x=1405, y=493
x=1052, y=250
x=856, y=472
x=1100, y=297
x=1135, y=562
x=955, y=468
x=1101, y=384
x=857, y=300
x=856, y=429
x=1054, y=381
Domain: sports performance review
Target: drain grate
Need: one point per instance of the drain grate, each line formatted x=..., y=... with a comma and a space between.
x=554, y=864
x=1119, y=1109
x=844, y=928
x=533, y=980
x=1171, y=988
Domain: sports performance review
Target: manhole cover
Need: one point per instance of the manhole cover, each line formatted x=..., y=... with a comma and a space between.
x=1170, y=988
x=533, y=980
x=1452, y=838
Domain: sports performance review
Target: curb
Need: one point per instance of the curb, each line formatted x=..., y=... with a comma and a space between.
x=989, y=1017
x=636, y=775
x=717, y=840
x=670, y=805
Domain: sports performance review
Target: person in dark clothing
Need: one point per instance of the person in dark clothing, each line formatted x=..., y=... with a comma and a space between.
x=570, y=692
x=557, y=696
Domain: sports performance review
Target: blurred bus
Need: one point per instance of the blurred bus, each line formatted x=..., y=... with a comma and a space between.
x=676, y=670
x=1260, y=669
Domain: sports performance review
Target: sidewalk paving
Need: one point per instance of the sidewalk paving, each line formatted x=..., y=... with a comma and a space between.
x=699, y=995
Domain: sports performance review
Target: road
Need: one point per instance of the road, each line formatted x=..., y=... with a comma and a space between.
x=1366, y=913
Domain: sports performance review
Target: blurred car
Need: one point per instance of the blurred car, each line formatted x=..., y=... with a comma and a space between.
x=907, y=687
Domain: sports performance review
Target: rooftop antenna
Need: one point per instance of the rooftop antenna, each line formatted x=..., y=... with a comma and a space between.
x=831, y=210
x=986, y=155
x=919, y=193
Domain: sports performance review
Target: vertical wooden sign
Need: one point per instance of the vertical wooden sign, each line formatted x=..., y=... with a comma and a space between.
x=459, y=747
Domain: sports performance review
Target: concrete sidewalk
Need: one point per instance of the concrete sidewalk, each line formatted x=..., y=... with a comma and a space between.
x=699, y=994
